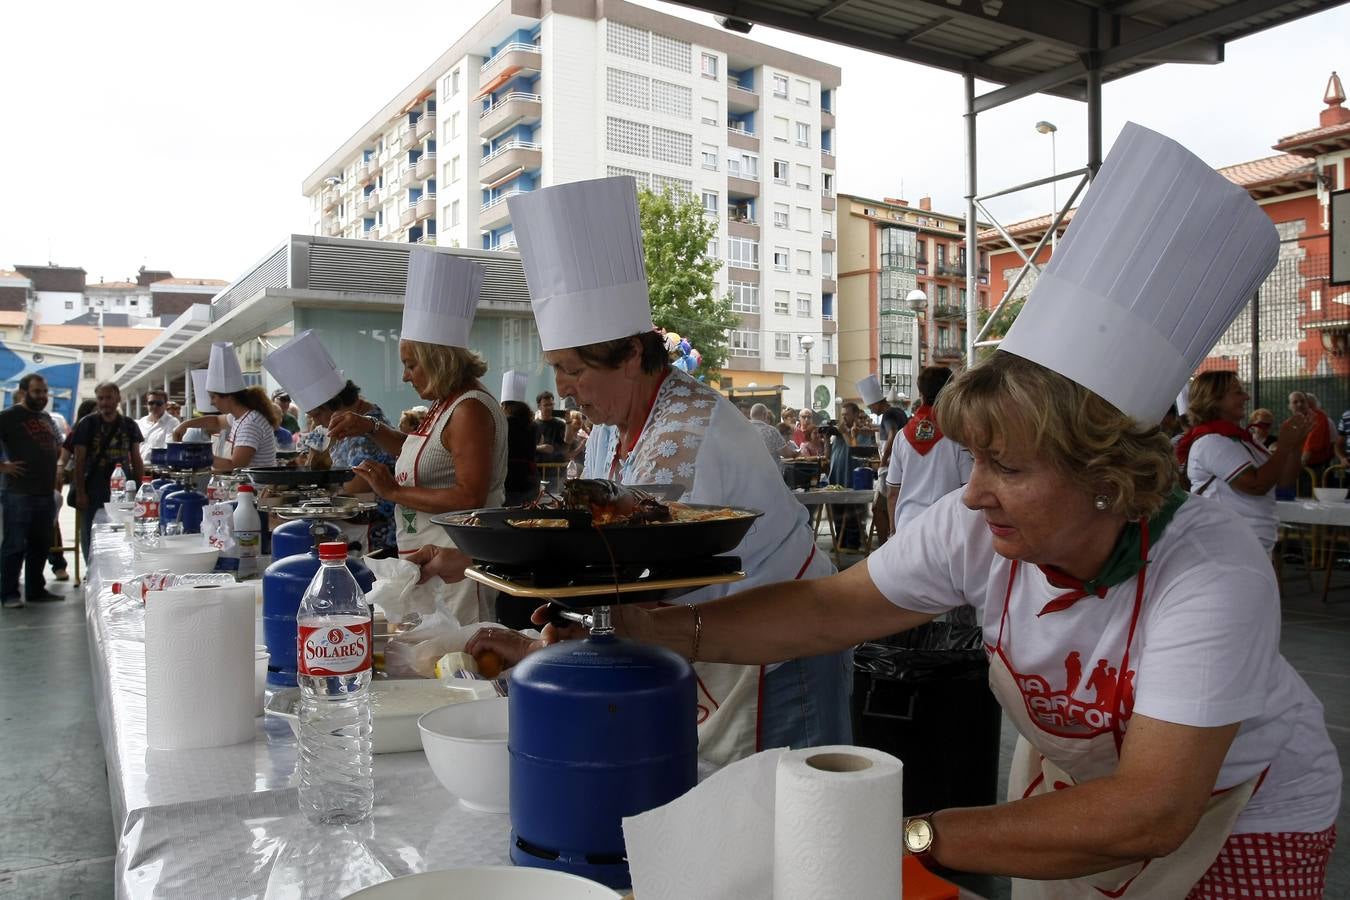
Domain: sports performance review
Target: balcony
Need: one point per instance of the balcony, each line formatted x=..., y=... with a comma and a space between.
x=369, y=204
x=983, y=274
x=742, y=140
x=426, y=206
x=827, y=201
x=829, y=286
x=333, y=228
x=364, y=173
x=494, y=213
x=426, y=240
x=425, y=167
x=741, y=100
x=949, y=353
x=742, y=187
x=949, y=311
x=829, y=326
x=826, y=119
x=515, y=55
x=827, y=160
x=507, y=158
x=328, y=199
x=828, y=369
x=406, y=216
x=828, y=244
x=742, y=226
x=405, y=135
x=425, y=127
x=513, y=109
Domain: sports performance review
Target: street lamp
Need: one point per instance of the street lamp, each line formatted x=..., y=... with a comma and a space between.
x=919, y=302
x=807, y=342
x=1049, y=128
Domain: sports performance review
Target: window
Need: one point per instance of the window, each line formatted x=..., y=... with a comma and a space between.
x=711, y=253
x=942, y=295
x=782, y=345
x=710, y=202
x=803, y=262
x=672, y=99
x=780, y=303
x=803, y=218
x=744, y=165
x=803, y=134
x=780, y=259
x=804, y=305
x=827, y=264
x=672, y=146
x=743, y=253
x=627, y=89
x=88, y=368
x=454, y=125
x=780, y=215
x=642, y=178
x=710, y=157
x=450, y=84
x=827, y=224
x=709, y=110
x=70, y=304
x=827, y=348
x=669, y=184
x=827, y=184
x=803, y=91
x=708, y=65
x=623, y=136
x=803, y=176
x=780, y=128
x=672, y=53
x=744, y=297
x=780, y=171
x=454, y=212
x=740, y=343
x=625, y=40
x=941, y=254
x=780, y=85
x=454, y=169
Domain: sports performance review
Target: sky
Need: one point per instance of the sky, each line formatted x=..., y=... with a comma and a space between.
x=176, y=135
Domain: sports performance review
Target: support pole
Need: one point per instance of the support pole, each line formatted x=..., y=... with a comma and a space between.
x=972, y=251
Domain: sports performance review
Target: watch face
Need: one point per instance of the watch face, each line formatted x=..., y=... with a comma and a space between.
x=918, y=835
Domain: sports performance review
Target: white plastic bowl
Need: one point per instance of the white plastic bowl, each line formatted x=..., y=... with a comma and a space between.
x=120, y=511
x=178, y=560
x=465, y=744
x=496, y=882
x=1329, y=495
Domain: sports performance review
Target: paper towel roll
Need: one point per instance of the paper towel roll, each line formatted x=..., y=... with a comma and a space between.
x=199, y=666
x=837, y=825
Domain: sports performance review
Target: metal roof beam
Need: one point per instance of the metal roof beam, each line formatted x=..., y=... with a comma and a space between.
x=1148, y=46
x=832, y=8
x=1056, y=81
x=1060, y=22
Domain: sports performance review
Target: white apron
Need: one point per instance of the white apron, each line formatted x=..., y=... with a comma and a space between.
x=414, y=529
x=1045, y=762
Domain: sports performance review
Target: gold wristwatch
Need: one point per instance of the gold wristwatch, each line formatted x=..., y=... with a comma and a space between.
x=919, y=835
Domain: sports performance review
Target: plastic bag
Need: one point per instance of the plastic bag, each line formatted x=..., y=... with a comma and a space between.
x=414, y=651
x=397, y=592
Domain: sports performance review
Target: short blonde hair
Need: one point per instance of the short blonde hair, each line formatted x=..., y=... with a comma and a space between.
x=1030, y=407
x=449, y=369
x=1207, y=392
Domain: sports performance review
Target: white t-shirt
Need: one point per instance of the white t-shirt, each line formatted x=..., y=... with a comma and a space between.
x=1205, y=652
x=1214, y=461
x=925, y=478
x=253, y=430
x=155, y=434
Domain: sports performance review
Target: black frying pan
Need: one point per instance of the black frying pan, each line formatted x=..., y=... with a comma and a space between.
x=494, y=540
x=288, y=476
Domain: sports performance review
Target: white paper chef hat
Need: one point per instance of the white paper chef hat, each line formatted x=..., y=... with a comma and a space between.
x=514, y=385
x=870, y=389
x=306, y=371
x=201, y=400
x=223, y=375
x=581, y=246
x=1160, y=258
x=441, y=298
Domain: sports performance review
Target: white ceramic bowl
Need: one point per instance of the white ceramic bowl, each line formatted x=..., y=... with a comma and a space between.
x=496, y=882
x=178, y=560
x=466, y=746
x=1329, y=495
x=395, y=707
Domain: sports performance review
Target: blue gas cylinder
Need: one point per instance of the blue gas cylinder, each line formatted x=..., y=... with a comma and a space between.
x=599, y=729
x=863, y=478
x=169, y=487
x=159, y=484
x=186, y=506
x=284, y=583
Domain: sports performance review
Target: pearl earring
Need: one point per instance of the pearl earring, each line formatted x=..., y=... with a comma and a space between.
x=1101, y=501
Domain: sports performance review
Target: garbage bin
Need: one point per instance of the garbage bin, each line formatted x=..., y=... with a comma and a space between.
x=923, y=696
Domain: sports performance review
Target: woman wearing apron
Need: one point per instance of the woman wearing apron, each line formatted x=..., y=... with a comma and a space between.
x=1167, y=749
x=456, y=459
x=247, y=418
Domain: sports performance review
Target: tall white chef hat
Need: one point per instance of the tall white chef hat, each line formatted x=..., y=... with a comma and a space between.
x=306, y=371
x=441, y=298
x=581, y=245
x=514, y=385
x=1160, y=258
x=201, y=400
x=870, y=390
x=223, y=375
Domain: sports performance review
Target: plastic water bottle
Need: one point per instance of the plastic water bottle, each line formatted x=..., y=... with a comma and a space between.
x=146, y=511
x=117, y=485
x=247, y=531
x=337, y=784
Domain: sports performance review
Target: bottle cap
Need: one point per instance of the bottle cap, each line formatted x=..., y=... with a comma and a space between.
x=333, y=550
x=246, y=487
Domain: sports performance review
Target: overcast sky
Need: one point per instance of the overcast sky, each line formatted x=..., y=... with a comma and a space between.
x=176, y=135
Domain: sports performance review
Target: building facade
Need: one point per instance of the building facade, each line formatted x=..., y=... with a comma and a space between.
x=888, y=249
x=542, y=93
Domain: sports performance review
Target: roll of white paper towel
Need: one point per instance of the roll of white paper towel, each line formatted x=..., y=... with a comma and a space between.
x=199, y=666
x=837, y=825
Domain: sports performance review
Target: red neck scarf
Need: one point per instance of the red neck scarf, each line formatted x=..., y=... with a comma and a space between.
x=922, y=430
x=1217, y=426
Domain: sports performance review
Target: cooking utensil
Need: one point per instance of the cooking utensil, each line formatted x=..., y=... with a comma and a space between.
x=298, y=476
x=493, y=539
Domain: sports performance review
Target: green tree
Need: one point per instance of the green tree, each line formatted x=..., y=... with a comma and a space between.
x=675, y=236
x=1002, y=322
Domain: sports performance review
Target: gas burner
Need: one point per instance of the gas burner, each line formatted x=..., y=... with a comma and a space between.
x=590, y=586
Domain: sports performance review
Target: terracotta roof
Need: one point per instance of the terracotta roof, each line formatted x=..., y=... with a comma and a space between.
x=10, y=273
x=1267, y=171
x=87, y=336
x=201, y=282
x=1337, y=135
x=1024, y=228
x=112, y=286
x=12, y=317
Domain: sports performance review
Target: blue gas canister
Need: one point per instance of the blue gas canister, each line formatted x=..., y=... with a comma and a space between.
x=599, y=729
x=186, y=506
x=863, y=478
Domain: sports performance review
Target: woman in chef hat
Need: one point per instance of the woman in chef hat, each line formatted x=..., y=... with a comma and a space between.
x=581, y=246
x=456, y=459
x=309, y=376
x=1167, y=749
x=246, y=417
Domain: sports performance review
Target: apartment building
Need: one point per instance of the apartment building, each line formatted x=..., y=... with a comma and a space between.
x=57, y=294
x=887, y=250
x=540, y=93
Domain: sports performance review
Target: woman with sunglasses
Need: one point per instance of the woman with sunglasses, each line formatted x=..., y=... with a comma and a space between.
x=1260, y=425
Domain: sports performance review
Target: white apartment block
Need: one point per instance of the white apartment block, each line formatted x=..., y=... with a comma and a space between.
x=540, y=93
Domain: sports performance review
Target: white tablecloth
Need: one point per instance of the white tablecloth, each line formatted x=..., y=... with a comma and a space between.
x=1311, y=512
x=224, y=822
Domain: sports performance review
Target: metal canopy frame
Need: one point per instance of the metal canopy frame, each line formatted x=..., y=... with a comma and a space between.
x=1066, y=48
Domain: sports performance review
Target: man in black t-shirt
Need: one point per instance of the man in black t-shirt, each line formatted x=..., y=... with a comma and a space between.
x=29, y=498
x=550, y=440
x=104, y=440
